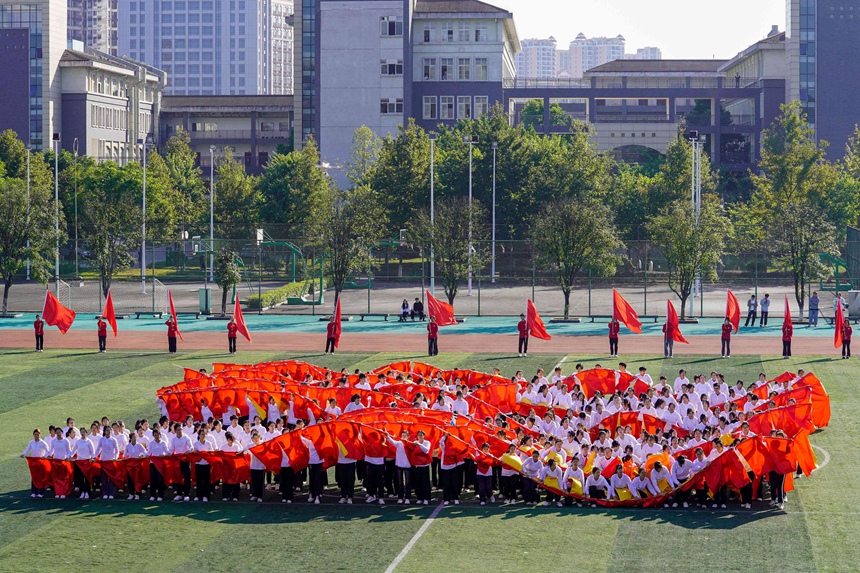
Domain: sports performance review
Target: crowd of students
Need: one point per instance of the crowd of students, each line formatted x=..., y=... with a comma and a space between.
x=552, y=449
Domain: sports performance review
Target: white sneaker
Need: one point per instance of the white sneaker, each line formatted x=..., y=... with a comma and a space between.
x=406, y=502
x=159, y=499
x=371, y=499
x=33, y=495
x=545, y=504
x=342, y=500
x=196, y=499
x=686, y=504
x=310, y=498
x=675, y=504
x=317, y=501
x=714, y=506
x=558, y=503
x=493, y=499
x=400, y=501
x=723, y=506
x=456, y=502
x=260, y=500
x=349, y=501
x=186, y=498
x=136, y=496
x=206, y=499
x=781, y=506
x=282, y=501
x=482, y=503
x=446, y=503
x=381, y=501
x=526, y=355
x=253, y=498
x=109, y=497
x=151, y=499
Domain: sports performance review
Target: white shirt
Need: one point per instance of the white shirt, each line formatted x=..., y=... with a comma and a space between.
x=599, y=482
x=107, y=449
x=159, y=448
x=460, y=407
x=401, y=460
x=62, y=449
x=576, y=474
x=84, y=449
x=532, y=468
x=640, y=484
x=352, y=407
x=135, y=450
x=334, y=411
x=663, y=473
x=272, y=412
x=206, y=413
x=204, y=446
x=225, y=417
x=181, y=445
x=314, y=457
x=680, y=382
x=617, y=482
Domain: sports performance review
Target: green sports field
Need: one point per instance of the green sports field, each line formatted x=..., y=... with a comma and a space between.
x=817, y=532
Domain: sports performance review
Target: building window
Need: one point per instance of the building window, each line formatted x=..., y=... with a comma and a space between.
x=391, y=106
x=391, y=26
x=284, y=126
x=462, y=31
x=447, y=32
x=429, y=69
x=429, y=107
x=391, y=67
x=447, y=69
x=446, y=107
x=267, y=126
x=464, y=107
x=429, y=29
x=481, y=32
x=481, y=69
x=464, y=66
x=482, y=105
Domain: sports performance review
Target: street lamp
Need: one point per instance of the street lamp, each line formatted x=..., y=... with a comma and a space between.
x=493, y=264
x=432, y=213
x=143, y=143
x=57, y=214
x=471, y=140
x=75, y=149
x=211, y=212
x=29, y=150
x=696, y=193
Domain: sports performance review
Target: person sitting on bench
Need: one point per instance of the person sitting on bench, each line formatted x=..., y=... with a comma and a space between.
x=404, y=311
x=418, y=310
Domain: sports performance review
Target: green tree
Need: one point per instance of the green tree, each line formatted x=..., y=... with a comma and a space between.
x=163, y=201
x=629, y=200
x=691, y=248
x=571, y=236
x=532, y=114
x=190, y=201
x=237, y=200
x=226, y=273
x=449, y=236
x=673, y=181
x=365, y=150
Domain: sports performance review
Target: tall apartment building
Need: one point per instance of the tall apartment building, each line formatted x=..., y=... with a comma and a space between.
x=646, y=53
x=586, y=53
x=538, y=58
x=94, y=24
x=211, y=47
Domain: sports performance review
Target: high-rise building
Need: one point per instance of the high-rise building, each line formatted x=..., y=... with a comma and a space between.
x=586, y=53
x=824, y=66
x=94, y=24
x=647, y=53
x=538, y=58
x=210, y=47
x=32, y=41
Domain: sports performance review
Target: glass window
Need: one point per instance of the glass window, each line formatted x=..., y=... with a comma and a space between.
x=391, y=26
x=446, y=107
x=429, y=69
x=447, y=70
x=447, y=32
x=429, y=32
x=482, y=105
x=481, y=69
x=267, y=126
x=429, y=107
x=464, y=69
x=391, y=67
x=462, y=31
x=481, y=32
x=464, y=107
x=391, y=106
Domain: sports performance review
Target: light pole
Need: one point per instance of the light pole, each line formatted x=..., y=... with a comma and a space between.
x=57, y=215
x=143, y=142
x=28, y=210
x=696, y=196
x=75, y=149
x=493, y=264
x=211, y=212
x=432, y=214
x=471, y=140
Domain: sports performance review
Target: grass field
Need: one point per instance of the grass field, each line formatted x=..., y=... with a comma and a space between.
x=817, y=532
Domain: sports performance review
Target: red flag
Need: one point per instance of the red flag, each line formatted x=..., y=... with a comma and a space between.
x=672, y=323
x=173, y=314
x=337, y=324
x=241, y=328
x=622, y=311
x=535, y=324
x=839, y=323
x=786, y=320
x=733, y=310
x=109, y=313
x=443, y=311
x=55, y=314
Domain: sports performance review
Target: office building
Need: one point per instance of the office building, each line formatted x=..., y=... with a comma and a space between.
x=646, y=53
x=538, y=58
x=210, y=47
x=586, y=53
x=94, y=24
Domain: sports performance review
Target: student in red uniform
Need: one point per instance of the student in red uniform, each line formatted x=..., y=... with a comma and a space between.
x=614, y=329
x=232, y=328
x=171, y=335
x=39, y=328
x=787, y=332
x=329, y=335
x=726, y=339
x=432, y=337
x=668, y=339
x=846, y=339
x=102, y=335
x=523, y=328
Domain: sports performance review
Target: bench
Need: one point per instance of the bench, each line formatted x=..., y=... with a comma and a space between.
x=652, y=317
x=831, y=319
x=383, y=315
x=196, y=315
x=156, y=314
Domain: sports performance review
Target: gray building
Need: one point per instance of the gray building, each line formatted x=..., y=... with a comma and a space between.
x=94, y=24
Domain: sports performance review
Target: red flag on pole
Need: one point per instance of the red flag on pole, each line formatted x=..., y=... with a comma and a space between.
x=55, y=314
x=622, y=311
x=109, y=313
x=173, y=314
x=337, y=326
x=241, y=328
x=786, y=320
x=733, y=310
x=535, y=324
x=672, y=323
x=838, y=323
x=443, y=311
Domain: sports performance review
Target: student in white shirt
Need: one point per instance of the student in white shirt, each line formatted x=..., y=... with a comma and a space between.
x=596, y=486
x=620, y=480
x=402, y=481
x=315, y=477
x=157, y=448
x=531, y=471
x=258, y=472
x=641, y=485
x=354, y=404
x=201, y=467
x=460, y=406
x=133, y=449
x=107, y=449
x=36, y=448
x=551, y=471
x=182, y=444
x=671, y=416
x=510, y=479
x=644, y=376
x=273, y=412
x=332, y=409
x=680, y=381
x=205, y=412
x=682, y=470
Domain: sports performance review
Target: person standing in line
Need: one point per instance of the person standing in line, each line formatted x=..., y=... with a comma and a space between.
x=102, y=332
x=839, y=300
x=846, y=339
x=432, y=337
x=787, y=332
x=813, y=310
x=614, y=329
x=107, y=449
x=39, y=328
x=668, y=339
x=37, y=448
x=765, y=308
x=752, y=306
x=330, y=329
x=171, y=335
x=726, y=339
x=232, y=329
x=523, y=328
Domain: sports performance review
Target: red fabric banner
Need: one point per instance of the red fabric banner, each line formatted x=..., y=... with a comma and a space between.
x=443, y=311
x=535, y=324
x=109, y=314
x=624, y=313
x=337, y=324
x=55, y=314
x=672, y=324
x=173, y=314
x=241, y=327
x=733, y=310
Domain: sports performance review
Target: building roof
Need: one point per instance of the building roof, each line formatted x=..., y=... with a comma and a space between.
x=122, y=65
x=458, y=6
x=658, y=66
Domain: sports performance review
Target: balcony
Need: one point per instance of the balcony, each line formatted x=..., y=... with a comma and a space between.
x=237, y=134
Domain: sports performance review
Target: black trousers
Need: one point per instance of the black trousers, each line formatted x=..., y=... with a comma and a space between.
x=229, y=491
x=509, y=483
x=786, y=348
x=421, y=481
x=432, y=346
x=777, y=484
x=156, y=482
x=102, y=343
x=257, y=477
x=286, y=477
x=345, y=476
x=315, y=479
x=40, y=341
x=389, y=476
x=434, y=468
x=726, y=347
x=485, y=487
x=374, y=482
x=329, y=345
x=529, y=488
x=418, y=313
x=750, y=318
x=171, y=345
x=202, y=473
x=185, y=469
x=613, y=346
x=763, y=321
x=231, y=344
x=449, y=491
x=846, y=349
x=523, y=346
x=403, y=482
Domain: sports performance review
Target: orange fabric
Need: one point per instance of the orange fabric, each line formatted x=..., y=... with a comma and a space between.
x=535, y=324
x=623, y=312
x=442, y=311
x=173, y=314
x=733, y=310
x=839, y=324
x=55, y=314
x=109, y=313
x=241, y=327
x=820, y=399
x=672, y=324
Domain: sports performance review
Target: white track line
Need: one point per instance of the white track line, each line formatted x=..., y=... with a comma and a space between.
x=560, y=362
x=826, y=456
x=405, y=551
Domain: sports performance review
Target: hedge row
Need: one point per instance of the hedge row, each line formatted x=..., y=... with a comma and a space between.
x=276, y=296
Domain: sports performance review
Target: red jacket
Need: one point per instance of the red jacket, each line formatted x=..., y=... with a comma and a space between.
x=232, y=327
x=171, y=329
x=39, y=326
x=727, y=331
x=330, y=328
x=102, y=328
x=614, y=329
x=787, y=331
x=523, y=328
x=668, y=331
x=846, y=332
x=432, y=330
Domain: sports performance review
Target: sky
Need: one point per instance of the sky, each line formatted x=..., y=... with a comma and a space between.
x=682, y=29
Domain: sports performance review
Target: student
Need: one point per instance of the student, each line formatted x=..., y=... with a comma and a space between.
x=202, y=471
x=157, y=448
x=402, y=473
x=596, y=486
x=230, y=491
x=662, y=479
x=509, y=479
x=614, y=329
x=232, y=329
x=450, y=473
x=102, y=333
x=107, y=449
x=273, y=412
x=787, y=333
x=621, y=484
x=765, y=307
x=182, y=444
x=258, y=472
x=814, y=301
x=682, y=470
x=752, y=305
x=432, y=337
x=39, y=328
x=523, y=329
x=330, y=330
x=668, y=339
x=421, y=458
x=417, y=310
x=171, y=335
x=532, y=468
x=37, y=448
x=641, y=485
x=83, y=449
x=484, y=474
x=726, y=339
x=551, y=473
x=846, y=339
x=404, y=310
